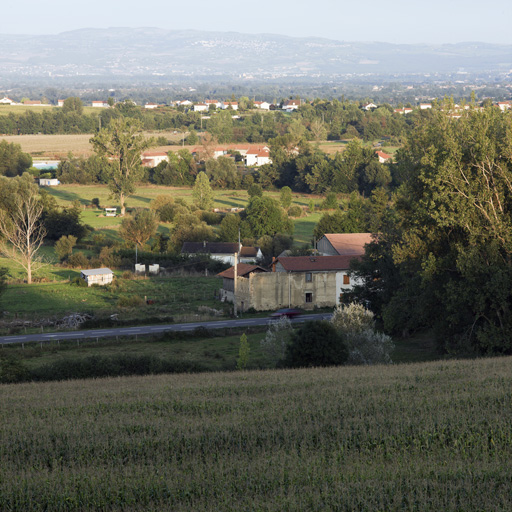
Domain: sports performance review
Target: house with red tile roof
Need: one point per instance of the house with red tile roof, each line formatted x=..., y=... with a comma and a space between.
x=227, y=104
x=257, y=156
x=295, y=281
x=383, y=157
x=262, y=105
x=153, y=158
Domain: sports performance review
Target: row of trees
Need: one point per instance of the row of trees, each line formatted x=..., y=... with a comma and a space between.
x=318, y=120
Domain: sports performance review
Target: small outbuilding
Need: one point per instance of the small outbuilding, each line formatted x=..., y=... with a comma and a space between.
x=110, y=212
x=48, y=182
x=99, y=276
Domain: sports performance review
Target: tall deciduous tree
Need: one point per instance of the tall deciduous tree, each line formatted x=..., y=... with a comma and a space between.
x=202, y=192
x=123, y=142
x=265, y=217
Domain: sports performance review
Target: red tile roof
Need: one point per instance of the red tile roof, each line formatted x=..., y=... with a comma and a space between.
x=349, y=244
x=314, y=263
x=381, y=154
x=243, y=269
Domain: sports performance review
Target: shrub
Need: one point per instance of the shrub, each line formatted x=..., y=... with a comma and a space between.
x=108, y=258
x=78, y=281
x=211, y=218
x=12, y=370
x=330, y=202
x=365, y=344
x=64, y=246
x=95, y=201
x=316, y=344
x=243, y=353
x=78, y=260
x=294, y=211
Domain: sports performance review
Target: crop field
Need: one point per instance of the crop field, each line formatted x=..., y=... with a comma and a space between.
x=420, y=437
x=58, y=146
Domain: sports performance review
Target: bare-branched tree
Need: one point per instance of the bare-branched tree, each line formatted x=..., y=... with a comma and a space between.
x=23, y=233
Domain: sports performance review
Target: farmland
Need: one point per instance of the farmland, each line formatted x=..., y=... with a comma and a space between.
x=58, y=146
x=430, y=436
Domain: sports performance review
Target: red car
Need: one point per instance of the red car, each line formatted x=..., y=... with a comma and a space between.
x=288, y=312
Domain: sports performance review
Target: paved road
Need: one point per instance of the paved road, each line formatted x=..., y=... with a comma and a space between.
x=147, y=329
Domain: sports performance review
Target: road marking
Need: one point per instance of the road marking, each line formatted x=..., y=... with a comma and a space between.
x=12, y=339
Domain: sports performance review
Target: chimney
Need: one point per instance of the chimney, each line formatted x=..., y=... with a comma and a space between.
x=273, y=264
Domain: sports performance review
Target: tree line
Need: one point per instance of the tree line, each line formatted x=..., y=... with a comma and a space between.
x=442, y=256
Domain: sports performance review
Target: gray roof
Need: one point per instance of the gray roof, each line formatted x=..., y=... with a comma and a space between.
x=96, y=271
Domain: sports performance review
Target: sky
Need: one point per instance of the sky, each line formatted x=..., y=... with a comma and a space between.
x=392, y=21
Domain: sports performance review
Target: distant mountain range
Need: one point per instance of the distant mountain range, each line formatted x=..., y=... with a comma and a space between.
x=157, y=52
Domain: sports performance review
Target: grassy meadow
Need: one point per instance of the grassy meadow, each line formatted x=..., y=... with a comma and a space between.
x=173, y=296
x=419, y=437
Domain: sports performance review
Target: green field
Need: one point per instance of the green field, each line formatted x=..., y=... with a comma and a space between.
x=179, y=297
x=421, y=437
x=223, y=199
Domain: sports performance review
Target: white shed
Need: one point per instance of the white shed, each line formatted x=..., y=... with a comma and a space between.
x=100, y=276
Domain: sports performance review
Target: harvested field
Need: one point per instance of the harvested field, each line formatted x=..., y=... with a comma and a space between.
x=58, y=146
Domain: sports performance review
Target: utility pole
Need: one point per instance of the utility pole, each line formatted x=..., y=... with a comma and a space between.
x=234, y=285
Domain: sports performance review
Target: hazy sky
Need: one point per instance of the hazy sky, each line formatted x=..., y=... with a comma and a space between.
x=394, y=21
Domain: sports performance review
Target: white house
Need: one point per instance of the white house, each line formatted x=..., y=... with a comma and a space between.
x=369, y=106
x=151, y=105
x=504, y=105
x=153, y=158
x=60, y=103
x=183, y=103
x=405, y=110
x=291, y=105
x=257, y=156
x=6, y=101
x=226, y=104
x=217, y=103
x=425, y=106
x=99, y=276
x=201, y=107
x=383, y=157
x=223, y=251
x=262, y=105
x=100, y=103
